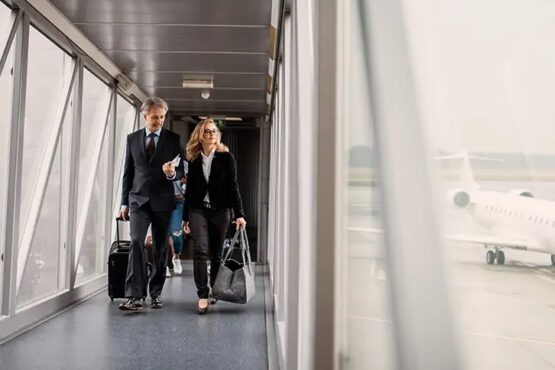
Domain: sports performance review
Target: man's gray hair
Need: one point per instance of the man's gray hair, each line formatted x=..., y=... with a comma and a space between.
x=153, y=101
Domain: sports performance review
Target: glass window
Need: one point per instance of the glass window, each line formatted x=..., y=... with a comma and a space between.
x=484, y=77
x=92, y=182
x=362, y=303
x=125, y=119
x=41, y=275
x=5, y=13
x=48, y=66
x=96, y=97
x=93, y=244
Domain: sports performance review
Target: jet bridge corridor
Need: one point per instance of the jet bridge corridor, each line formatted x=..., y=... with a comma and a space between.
x=394, y=159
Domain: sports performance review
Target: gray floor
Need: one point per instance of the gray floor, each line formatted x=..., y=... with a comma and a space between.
x=96, y=335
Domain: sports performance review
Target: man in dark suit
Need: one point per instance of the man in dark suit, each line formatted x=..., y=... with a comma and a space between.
x=148, y=199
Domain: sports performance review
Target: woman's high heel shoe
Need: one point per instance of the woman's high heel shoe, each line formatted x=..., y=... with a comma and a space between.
x=202, y=310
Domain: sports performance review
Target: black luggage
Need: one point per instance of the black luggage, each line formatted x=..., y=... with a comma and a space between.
x=117, y=265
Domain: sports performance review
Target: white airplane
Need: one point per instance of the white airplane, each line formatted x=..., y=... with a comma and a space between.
x=516, y=219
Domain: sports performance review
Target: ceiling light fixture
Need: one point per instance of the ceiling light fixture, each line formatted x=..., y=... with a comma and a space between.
x=236, y=119
x=198, y=82
x=223, y=118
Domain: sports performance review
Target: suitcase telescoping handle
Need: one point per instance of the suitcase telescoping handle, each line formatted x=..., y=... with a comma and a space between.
x=118, y=219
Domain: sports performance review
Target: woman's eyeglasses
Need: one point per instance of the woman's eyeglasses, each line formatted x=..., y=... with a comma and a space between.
x=207, y=131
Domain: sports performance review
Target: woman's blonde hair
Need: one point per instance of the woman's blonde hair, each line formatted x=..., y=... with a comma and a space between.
x=194, y=145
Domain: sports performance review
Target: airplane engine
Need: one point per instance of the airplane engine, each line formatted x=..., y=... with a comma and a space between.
x=522, y=193
x=459, y=197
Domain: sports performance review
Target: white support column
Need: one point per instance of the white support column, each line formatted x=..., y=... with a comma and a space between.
x=293, y=262
x=14, y=176
x=283, y=197
x=423, y=327
x=273, y=193
x=65, y=144
x=110, y=191
x=73, y=175
x=263, y=189
x=304, y=18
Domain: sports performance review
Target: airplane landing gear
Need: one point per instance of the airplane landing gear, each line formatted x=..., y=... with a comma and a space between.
x=499, y=256
x=490, y=257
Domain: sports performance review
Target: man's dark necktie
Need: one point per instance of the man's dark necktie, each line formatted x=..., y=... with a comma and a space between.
x=150, y=146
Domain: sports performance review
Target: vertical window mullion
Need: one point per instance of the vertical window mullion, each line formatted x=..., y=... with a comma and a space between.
x=73, y=172
x=423, y=327
x=110, y=168
x=14, y=173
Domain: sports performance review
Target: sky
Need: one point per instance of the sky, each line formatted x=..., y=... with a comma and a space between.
x=485, y=73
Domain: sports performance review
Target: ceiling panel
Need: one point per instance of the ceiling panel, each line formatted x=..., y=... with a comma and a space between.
x=179, y=38
x=151, y=79
x=143, y=61
x=156, y=42
x=244, y=12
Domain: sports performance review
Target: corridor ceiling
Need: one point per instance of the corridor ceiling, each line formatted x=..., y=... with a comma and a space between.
x=158, y=43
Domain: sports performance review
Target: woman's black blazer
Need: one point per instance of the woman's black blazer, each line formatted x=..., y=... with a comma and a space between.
x=222, y=186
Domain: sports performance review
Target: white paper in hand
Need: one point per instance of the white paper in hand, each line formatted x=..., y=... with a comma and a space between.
x=175, y=162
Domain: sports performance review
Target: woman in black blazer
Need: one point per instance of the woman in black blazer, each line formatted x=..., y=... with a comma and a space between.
x=212, y=190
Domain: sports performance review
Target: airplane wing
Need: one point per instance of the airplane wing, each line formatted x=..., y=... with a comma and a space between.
x=493, y=241
x=368, y=230
x=512, y=243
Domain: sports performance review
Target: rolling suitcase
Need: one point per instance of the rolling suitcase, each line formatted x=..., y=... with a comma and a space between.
x=117, y=265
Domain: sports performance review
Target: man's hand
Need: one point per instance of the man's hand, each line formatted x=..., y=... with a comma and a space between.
x=169, y=169
x=186, y=228
x=124, y=214
x=240, y=223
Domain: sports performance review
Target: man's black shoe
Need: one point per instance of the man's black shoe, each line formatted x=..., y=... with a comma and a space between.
x=156, y=302
x=132, y=304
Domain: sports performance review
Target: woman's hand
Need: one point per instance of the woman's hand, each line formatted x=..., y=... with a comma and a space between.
x=240, y=223
x=186, y=228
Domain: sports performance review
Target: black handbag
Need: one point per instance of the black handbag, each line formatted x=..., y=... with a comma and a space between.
x=235, y=280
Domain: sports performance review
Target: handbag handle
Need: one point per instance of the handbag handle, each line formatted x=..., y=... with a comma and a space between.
x=245, y=249
x=241, y=236
x=231, y=246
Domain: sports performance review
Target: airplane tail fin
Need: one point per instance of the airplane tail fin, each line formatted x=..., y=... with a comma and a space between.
x=467, y=176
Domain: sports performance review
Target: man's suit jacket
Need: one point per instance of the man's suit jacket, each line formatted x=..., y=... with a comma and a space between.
x=143, y=180
x=222, y=186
